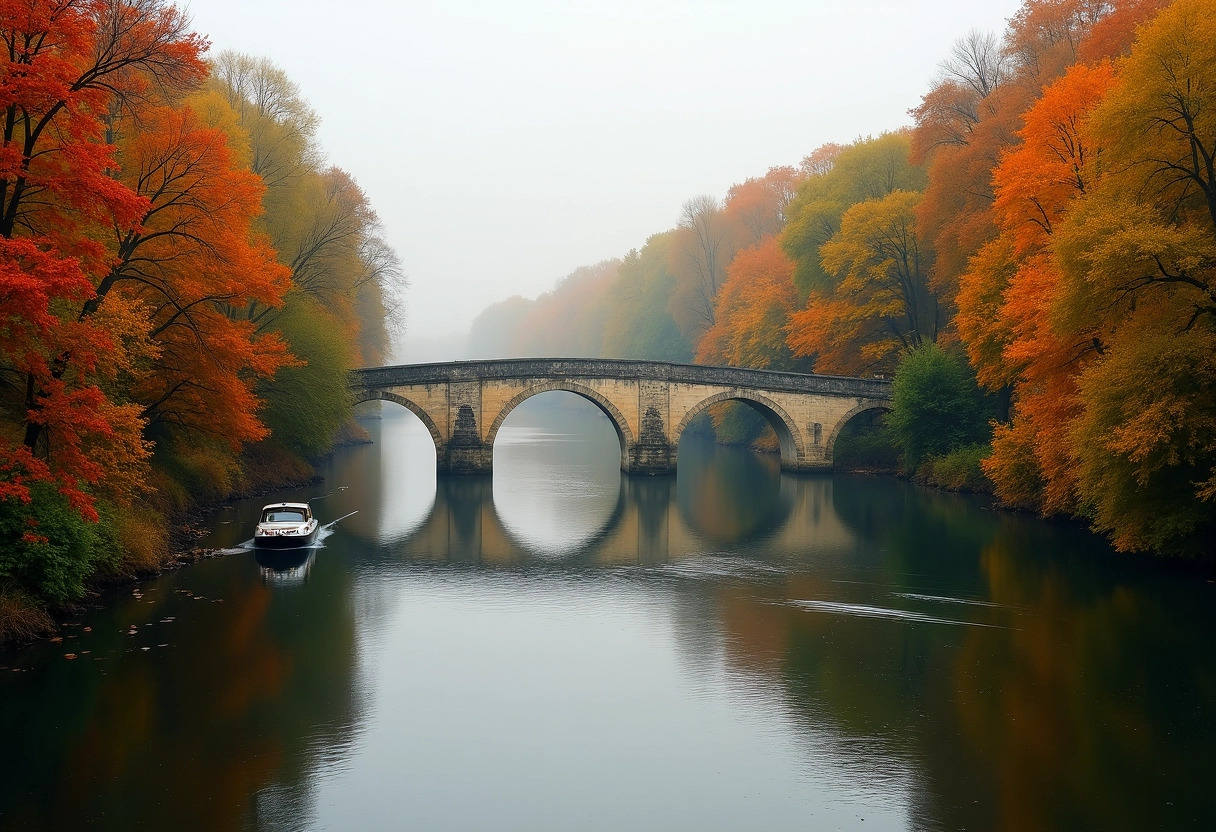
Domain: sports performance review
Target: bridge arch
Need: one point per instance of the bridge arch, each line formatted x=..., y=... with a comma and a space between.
x=373, y=395
x=623, y=434
x=792, y=448
x=863, y=407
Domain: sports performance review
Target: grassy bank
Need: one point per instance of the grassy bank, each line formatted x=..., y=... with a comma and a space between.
x=70, y=562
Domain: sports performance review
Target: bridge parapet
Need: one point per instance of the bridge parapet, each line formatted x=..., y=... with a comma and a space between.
x=649, y=403
x=521, y=368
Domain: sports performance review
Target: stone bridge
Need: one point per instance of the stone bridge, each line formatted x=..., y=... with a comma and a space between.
x=649, y=403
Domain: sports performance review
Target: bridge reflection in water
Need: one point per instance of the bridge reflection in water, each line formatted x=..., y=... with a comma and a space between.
x=583, y=510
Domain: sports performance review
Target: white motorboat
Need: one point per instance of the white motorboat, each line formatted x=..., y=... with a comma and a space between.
x=286, y=526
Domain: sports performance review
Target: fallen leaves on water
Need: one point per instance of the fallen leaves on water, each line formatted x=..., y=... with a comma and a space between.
x=69, y=655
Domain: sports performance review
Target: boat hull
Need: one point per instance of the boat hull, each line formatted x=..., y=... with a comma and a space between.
x=285, y=541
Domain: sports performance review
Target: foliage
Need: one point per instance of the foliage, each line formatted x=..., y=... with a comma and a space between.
x=317, y=218
x=1145, y=442
x=150, y=231
x=1095, y=300
x=867, y=169
x=310, y=402
x=49, y=548
x=193, y=257
x=936, y=405
x=879, y=301
x=756, y=208
x=69, y=65
x=864, y=446
x=754, y=305
x=958, y=470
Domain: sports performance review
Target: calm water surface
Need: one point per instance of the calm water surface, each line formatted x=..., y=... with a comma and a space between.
x=560, y=647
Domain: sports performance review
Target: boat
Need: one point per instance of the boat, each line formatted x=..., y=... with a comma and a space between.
x=285, y=526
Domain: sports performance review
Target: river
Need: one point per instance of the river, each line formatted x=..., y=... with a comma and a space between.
x=561, y=647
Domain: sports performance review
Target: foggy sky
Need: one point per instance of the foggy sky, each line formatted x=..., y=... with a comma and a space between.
x=504, y=144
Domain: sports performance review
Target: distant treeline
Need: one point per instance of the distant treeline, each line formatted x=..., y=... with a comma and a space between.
x=184, y=283
x=1046, y=228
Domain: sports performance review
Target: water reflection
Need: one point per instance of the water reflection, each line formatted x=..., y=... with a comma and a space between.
x=186, y=700
x=285, y=567
x=559, y=646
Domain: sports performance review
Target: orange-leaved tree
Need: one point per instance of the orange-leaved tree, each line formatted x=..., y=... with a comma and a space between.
x=71, y=64
x=757, y=207
x=193, y=256
x=753, y=311
x=1005, y=299
x=1137, y=257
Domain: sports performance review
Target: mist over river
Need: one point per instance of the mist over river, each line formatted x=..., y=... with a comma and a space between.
x=562, y=647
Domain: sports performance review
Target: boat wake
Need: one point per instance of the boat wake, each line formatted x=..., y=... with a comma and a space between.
x=867, y=611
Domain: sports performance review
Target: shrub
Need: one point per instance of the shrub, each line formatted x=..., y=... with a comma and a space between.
x=48, y=551
x=866, y=447
x=936, y=405
x=958, y=470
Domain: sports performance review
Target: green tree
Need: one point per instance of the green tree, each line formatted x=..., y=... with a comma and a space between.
x=937, y=406
x=639, y=323
x=309, y=403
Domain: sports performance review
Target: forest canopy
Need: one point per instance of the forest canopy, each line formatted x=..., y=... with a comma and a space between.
x=1046, y=223
x=184, y=284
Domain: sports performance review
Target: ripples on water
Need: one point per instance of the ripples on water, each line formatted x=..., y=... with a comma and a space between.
x=560, y=647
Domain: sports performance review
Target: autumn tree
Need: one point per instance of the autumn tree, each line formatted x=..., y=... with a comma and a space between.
x=753, y=311
x=820, y=161
x=281, y=125
x=72, y=66
x=192, y=256
x=1006, y=299
x=1003, y=295
x=757, y=208
x=867, y=169
x=879, y=301
x=1138, y=261
x=972, y=113
x=1094, y=300
x=344, y=276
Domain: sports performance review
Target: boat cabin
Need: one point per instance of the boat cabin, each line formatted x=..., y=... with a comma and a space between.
x=286, y=513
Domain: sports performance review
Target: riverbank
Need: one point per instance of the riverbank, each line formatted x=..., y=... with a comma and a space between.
x=266, y=469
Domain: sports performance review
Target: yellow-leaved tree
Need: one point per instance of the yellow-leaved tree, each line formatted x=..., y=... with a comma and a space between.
x=1097, y=299
x=1137, y=258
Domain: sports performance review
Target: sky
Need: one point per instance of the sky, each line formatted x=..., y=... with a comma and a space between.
x=505, y=144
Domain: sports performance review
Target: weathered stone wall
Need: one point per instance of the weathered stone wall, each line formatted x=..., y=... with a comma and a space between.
x=649, y=403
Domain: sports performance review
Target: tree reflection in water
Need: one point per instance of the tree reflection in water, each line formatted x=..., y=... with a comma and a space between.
x=848, y=646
